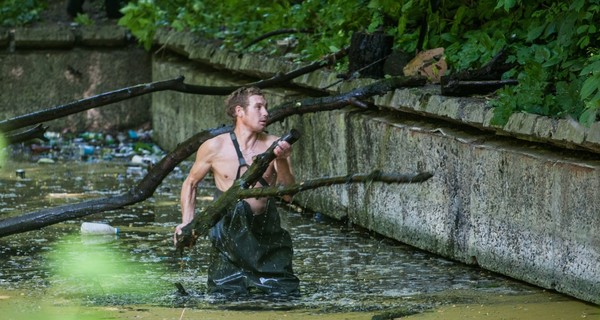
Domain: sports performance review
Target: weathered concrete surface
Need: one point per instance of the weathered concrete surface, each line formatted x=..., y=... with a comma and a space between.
x=33, y=78
x=518, y=208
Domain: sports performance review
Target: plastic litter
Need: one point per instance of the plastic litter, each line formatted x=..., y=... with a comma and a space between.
x=94, y=228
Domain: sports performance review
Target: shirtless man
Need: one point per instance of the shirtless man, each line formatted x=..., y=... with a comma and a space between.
x=249, y=247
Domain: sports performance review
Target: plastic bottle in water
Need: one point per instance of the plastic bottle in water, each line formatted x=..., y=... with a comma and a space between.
x=98, y=228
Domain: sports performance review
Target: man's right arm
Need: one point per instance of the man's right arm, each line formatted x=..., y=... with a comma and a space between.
x=199, y=170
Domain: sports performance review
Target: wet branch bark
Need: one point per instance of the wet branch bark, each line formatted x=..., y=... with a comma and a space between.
x=484, y=80
x=376, y=175
x=26, y=135
x=202, y=222
x=146, y=187
x=175, y=84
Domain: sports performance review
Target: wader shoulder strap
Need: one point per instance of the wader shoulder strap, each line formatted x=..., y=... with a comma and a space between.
x=242, y=161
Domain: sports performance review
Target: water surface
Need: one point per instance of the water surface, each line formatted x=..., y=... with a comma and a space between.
x=345, y=272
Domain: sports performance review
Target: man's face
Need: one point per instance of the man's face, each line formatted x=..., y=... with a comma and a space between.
x=255, y=115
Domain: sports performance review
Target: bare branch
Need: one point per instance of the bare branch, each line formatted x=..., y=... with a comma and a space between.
x=146, y=187
x=175, y=84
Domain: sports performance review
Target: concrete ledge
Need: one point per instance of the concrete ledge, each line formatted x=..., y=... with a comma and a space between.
x=49, y=37
x=175, y=41
x=592, y=139
x=103, y=36
x=65, y=37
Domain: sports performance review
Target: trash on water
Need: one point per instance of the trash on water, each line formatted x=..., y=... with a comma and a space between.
x=45, y=161
x=98, y=228
x=136, y=171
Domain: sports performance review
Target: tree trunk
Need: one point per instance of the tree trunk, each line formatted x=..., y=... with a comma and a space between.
x=368, y=52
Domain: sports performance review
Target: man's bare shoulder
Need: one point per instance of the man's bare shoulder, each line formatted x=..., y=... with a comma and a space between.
x=214, y=145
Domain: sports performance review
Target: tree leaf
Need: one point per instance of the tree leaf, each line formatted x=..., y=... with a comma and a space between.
x=589, y=116
x=535, y=32
x=590, y=85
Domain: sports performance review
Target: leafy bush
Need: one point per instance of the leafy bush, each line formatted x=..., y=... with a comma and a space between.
x=553, y=43
x=20, y=12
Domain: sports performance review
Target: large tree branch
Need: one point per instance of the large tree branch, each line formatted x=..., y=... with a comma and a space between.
x=146, y=187
x=202, y=222
x=484, y=80
x=26, y=135
x=352, y=97
x=175, y=84
x=376, y=175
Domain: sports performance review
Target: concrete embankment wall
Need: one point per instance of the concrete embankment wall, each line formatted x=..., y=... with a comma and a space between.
x=529, y=210
x=41, y=68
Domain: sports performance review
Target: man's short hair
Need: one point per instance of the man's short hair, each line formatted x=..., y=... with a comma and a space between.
x=240, y=98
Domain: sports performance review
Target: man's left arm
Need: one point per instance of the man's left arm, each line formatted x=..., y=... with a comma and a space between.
x=283, y=166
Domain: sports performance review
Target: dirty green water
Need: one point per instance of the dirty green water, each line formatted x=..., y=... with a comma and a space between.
x=346, y=273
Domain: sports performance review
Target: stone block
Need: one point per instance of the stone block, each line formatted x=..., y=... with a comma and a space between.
x=44, y=38
x=592, y=139
x=474, y=113
x=450, y=108
x=201, y=52
x=103, y=36
x=219, y=59
x=178, y=42
x=545, y=127
x=593, y=135
x=434, y=104
x=569, y=131
x=410, y=99
x=521, y=123
x=385, y=100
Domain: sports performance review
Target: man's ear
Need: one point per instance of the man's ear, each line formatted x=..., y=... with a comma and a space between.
x=238, y=111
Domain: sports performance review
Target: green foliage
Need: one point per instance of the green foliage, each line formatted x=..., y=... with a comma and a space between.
x=557, y=53
x=143, y=18
x=20, y=12
x=554, y=44
x=83, y=19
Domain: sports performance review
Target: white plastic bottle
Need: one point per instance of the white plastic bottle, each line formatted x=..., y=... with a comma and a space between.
x=98, y=228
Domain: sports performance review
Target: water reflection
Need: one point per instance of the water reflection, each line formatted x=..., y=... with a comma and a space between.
x=341, y=268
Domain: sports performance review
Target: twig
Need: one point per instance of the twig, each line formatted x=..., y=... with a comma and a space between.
x=275, y=33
